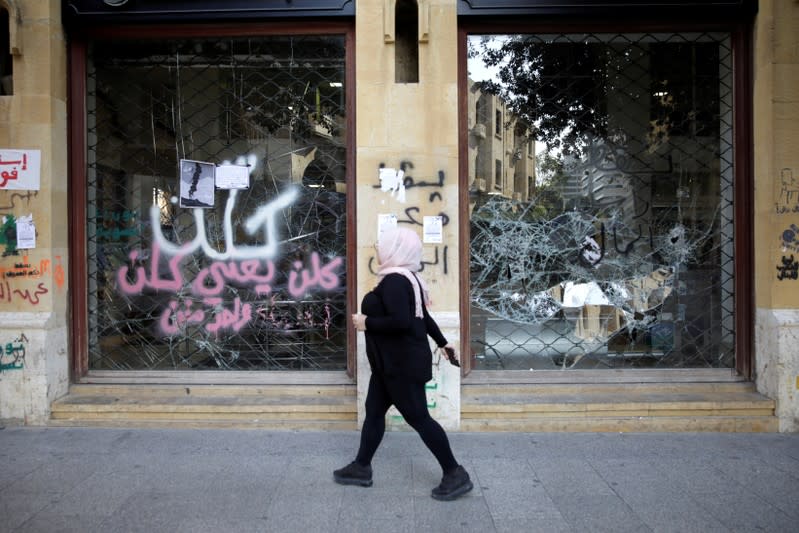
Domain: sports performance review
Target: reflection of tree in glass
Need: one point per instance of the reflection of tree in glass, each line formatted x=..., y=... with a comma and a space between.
x=560, y=87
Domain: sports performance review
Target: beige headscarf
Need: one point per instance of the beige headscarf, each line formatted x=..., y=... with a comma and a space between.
x=400, y=252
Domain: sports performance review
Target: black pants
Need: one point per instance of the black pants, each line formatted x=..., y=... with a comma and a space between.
x=410, y=399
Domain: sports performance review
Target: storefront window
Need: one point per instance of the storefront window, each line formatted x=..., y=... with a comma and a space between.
x=619, y=251
x=216, y=216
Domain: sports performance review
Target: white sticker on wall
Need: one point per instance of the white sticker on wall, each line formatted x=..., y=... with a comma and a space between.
x=433, y=229
x=232, y=177
x=26, y=233
x=392, y=181
x=19, y=169
x=385, y=223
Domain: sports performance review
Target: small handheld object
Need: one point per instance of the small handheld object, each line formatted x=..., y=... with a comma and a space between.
x=451, y=356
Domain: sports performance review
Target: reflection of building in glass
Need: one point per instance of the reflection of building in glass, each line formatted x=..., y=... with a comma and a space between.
x=501, y=152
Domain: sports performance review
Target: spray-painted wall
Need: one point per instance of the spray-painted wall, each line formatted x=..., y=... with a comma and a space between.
x=34, y=358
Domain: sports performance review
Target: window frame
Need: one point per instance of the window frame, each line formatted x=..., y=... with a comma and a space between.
x=743, y=164
x=77, y=148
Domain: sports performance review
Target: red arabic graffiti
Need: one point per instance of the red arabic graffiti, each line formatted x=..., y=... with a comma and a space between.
x=8, y=294
x=12, y=174
x=24, y=269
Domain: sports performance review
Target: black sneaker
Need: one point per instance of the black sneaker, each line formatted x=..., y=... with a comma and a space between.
x=454, y=484
x=354, y=474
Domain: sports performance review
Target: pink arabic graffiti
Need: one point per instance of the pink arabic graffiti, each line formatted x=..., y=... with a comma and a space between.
x=211, y=281
x=154, y=281
x=231, y=319
x=174, y=320
x=244, y=273
x=301, y=281
x=207, y=306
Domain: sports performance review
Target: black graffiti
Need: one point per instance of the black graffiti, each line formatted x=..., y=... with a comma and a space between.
x=23, y=196
x=627, y=249
x=412, y=214
x=412, y=219
x=783, y=209
x=444, y=260
x=789, y=268
x=643, y=211
x=606, y=158
x=409, y=182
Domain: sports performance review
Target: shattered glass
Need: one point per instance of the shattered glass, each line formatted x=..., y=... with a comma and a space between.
x=255, y=281
x=601, y=205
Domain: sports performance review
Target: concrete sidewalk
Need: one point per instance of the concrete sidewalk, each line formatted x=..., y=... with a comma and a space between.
x=112, y=480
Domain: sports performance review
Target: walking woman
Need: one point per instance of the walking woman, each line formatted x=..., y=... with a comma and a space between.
x=396, y=323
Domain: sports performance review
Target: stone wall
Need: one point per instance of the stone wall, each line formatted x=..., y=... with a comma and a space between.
x=776, y=111
x=33, y=287
x=410, y=126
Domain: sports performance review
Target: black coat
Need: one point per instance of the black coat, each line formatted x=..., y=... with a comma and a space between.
x=396, y=339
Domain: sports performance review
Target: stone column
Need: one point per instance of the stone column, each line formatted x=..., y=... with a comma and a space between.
x=33, y=287
x=411, y=127
x=776, y=112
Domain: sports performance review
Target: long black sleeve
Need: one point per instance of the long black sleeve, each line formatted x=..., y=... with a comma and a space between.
x=433, y=329
x=396, y=293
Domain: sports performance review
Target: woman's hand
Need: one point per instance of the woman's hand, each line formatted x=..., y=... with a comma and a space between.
x=359, y=321
x=452, y=354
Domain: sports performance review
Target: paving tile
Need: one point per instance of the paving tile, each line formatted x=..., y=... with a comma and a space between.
x=139, y=520
x=321, y=505
x=359, y=503
x=16, y=466
x=661, y=502
x=570, y=478
x=17, y=507
x=742, y=510
x=467, y=513
x=218, y=525
x=544, y=523
x=56, y=475
x=372, y=525
x=101, y=494
x=63, y=523
x=602, y=514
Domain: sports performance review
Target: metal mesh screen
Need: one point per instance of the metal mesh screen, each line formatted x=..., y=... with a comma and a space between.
x=601, y=177
x=187, y=271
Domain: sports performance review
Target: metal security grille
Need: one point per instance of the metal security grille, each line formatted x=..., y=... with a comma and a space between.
x=216, y=203
x=601, y=201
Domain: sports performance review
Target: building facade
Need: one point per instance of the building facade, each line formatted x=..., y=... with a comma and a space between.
x=194, y=189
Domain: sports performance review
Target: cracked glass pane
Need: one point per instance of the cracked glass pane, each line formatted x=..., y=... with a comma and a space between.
x=601, y=187
x=216, y=220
